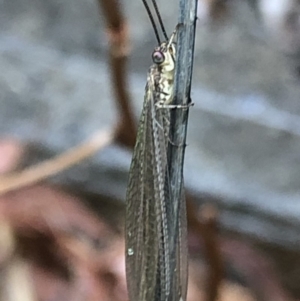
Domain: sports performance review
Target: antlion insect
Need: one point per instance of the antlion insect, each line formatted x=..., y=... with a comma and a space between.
x=156, y=259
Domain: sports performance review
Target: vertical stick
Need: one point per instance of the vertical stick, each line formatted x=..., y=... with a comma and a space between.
x=178, y=128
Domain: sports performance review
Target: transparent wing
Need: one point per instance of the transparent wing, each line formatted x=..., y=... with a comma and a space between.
x=156, y=257
x=145, y=216
x=177, y=230
x=138, y=230
x=177, y=243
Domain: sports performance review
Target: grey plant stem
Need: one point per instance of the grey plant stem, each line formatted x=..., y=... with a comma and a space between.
x=183, y=79
x=179, y=116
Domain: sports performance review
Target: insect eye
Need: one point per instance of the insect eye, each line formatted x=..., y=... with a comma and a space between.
x=158, y=57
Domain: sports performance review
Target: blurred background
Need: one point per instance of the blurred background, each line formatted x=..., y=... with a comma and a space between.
x=243, y=154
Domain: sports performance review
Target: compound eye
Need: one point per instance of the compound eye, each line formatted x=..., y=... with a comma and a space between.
x=158, y=57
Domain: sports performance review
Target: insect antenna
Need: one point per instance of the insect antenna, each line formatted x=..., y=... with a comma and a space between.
x=160, y=20
x=152, y=20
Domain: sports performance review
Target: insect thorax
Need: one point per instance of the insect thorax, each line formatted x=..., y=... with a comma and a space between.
x=163, y=74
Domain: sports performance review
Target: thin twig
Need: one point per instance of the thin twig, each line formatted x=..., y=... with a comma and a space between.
x=183, y=78
x=212, y=251
x=258, y=272
x=117, y=31
x=218, y=9
x=125, y=131
x=55, y=165
x=206, y=230
x=178, y=125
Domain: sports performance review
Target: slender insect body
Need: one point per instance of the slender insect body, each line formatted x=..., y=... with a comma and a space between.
x=153, y=257
x=156, y=226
